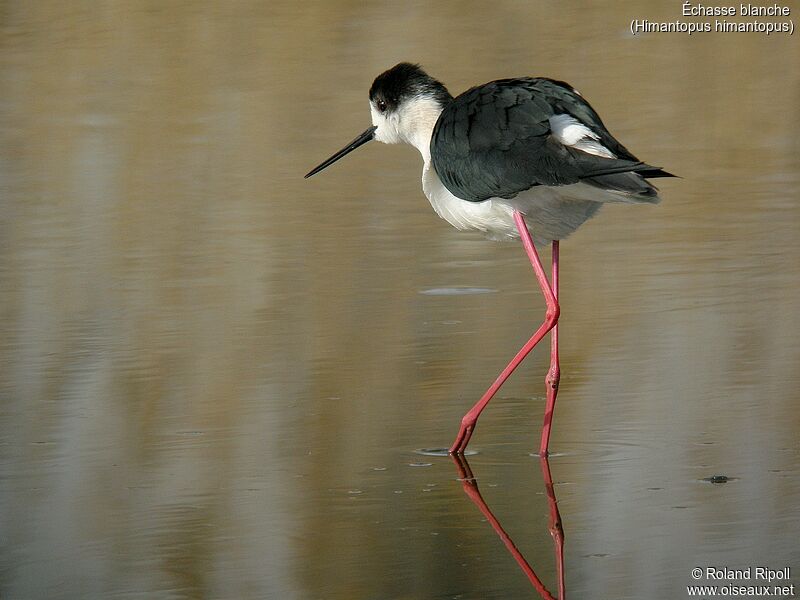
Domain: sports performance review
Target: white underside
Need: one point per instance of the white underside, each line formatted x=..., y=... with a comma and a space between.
x=552, y=213
x=494, y=217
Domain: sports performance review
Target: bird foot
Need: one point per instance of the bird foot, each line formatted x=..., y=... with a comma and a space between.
x=462, y=439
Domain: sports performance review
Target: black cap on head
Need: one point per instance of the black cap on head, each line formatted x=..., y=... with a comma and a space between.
x=403, y=81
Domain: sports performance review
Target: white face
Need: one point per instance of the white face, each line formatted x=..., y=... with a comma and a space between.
x=412, y=122
x=387, y=123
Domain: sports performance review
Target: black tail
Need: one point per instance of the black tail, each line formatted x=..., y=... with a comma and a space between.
x=653, y=172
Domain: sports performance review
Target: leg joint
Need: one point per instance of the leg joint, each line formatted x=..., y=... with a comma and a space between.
x=552, y=314
x=553, y=377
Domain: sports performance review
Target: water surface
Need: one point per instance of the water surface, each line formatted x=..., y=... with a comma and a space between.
x=215, y=374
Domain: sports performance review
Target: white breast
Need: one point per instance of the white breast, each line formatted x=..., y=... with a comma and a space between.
x=494, y=217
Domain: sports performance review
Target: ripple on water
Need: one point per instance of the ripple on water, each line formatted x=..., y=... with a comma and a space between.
x=460, y=291
x=600, y=452
x=441, y=452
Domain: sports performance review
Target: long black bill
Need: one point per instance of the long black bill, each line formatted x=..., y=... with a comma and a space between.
x=359, y=141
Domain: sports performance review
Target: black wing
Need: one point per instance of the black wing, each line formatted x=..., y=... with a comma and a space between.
x=495, y=141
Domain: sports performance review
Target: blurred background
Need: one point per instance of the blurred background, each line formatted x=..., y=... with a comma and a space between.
x=214, y=374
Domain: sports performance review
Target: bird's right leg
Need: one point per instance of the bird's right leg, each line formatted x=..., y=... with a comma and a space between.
x=554, y=373
x=556, y=530
x=551, y=318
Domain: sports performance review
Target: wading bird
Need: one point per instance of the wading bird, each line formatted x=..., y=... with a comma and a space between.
x=526, y=158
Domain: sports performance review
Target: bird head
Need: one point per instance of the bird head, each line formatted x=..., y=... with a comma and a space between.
x=404, y=103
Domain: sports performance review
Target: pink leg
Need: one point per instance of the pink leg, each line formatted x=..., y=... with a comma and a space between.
x=556, y=530
x=470, y=485
x=554, y=374
x=551, y=318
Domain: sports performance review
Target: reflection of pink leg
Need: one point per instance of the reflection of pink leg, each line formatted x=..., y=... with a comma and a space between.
x=551, y=318
x=556, y=530
x=554, y=374
x=470, y=486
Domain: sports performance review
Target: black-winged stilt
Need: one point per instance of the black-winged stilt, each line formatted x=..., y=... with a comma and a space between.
x=526, y=157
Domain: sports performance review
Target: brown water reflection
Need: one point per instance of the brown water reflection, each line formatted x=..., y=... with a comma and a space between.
x=470, y=486
x=214, y=373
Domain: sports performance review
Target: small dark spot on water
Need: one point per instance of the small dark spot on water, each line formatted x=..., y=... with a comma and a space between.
x=596, y=555
x=718, y=479
x=655, y=489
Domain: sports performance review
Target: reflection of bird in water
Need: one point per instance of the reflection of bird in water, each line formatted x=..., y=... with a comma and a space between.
x=524, y=158
x=471, y=490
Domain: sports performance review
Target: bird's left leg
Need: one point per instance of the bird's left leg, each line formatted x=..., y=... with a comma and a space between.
x=551, y=318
